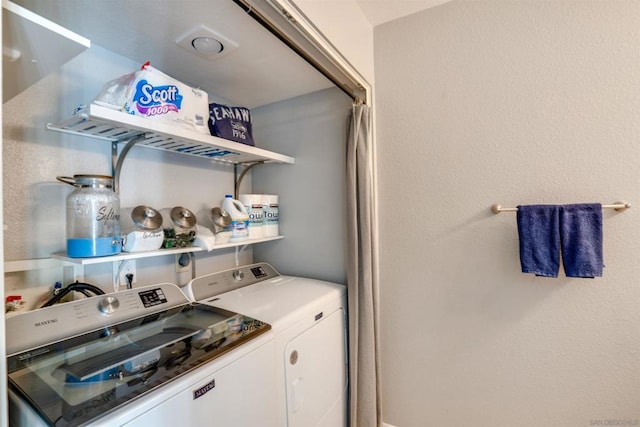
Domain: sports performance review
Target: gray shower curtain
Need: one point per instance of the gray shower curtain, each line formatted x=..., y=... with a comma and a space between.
x=364, y=374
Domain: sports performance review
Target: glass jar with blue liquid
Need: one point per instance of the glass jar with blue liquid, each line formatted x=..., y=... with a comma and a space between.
x=93, y=211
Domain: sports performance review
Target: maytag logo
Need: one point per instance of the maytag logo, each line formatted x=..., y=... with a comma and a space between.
x=32, y=354
x=46, y=322
x=204, y=389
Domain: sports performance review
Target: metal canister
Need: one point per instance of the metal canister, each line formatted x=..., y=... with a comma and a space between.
x=92, y=215
x=141, y=228
x=140, y=218
x=179, y=226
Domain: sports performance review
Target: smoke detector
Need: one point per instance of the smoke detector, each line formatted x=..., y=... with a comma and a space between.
x=206, y=43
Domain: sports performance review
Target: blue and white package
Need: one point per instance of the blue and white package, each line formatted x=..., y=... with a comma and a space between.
x=152, y=94
x=232, y=123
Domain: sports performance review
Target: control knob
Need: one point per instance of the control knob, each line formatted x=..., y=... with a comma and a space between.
x=108, y=305
x=238, y=275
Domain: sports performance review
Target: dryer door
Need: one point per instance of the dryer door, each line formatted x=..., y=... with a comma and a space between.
x=316, y=374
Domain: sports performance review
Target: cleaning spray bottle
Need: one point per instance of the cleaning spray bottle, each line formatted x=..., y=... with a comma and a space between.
x=239, y=218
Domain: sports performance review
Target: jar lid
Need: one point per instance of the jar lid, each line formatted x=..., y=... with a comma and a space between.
x=146, y=218
x=220, y=217
x=183, y=217
x=93, y=181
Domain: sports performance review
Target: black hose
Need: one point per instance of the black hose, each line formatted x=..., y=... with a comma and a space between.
x=85, y=293
x=83, y=288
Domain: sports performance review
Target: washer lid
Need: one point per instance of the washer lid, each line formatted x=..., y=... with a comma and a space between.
x=94, y=373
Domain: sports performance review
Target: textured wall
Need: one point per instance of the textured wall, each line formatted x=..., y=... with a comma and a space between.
x=313, y=129
x=516, y=102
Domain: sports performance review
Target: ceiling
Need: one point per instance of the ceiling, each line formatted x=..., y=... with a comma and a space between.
x=380, y=11
x=260, y=71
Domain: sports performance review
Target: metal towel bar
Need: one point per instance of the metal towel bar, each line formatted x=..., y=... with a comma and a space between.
x=618, y=206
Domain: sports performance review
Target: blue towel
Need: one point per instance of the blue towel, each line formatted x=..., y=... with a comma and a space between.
x=581, y=239
x=539, y=239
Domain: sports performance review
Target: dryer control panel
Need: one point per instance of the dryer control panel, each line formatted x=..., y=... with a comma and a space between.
x=204, y=287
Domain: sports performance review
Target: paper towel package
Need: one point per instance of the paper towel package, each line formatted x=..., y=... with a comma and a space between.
x=253, y=204
x=150, y=93
x=271, y=215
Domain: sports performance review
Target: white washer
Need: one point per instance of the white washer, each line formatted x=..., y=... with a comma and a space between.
x=308, y=319
x=140, y=357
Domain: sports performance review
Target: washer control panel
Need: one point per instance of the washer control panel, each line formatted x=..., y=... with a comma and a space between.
x=46, y=325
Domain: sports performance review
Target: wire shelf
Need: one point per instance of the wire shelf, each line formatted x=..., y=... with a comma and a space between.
x=111, y=125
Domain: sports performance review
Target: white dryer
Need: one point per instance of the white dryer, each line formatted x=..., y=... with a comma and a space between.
x=308, y=320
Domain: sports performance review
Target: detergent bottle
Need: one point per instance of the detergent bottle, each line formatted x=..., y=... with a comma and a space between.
x=239, y=218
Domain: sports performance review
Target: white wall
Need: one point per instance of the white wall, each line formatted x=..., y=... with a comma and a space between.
x=515, y=102
x=313, y=129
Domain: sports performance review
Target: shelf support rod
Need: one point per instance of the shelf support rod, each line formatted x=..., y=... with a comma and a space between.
x=117, y=161
x=239, y=178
